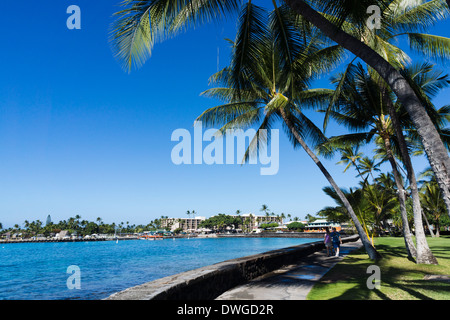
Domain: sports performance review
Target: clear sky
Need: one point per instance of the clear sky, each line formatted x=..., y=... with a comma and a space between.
x=78, y=135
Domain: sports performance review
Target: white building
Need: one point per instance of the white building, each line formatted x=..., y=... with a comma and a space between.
x=187, y=224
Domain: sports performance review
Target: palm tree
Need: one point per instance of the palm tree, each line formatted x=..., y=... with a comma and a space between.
x=274, y=84
x=362, y=107
x=408, y=19
x=265, y=209
x=427, y=82
x=368, y=166
x=141, y=23
x=350, y=156
x=433, y=203
x=435, y=149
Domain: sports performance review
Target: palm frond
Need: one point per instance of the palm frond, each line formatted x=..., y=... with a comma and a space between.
x=233, y=115
x=409, y=16
x=141, y=23
x=250, y=43
x=436, y=47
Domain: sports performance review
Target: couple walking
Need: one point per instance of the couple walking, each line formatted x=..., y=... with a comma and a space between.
x=332, y=242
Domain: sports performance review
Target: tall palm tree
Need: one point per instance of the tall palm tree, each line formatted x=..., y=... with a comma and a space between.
x=363, y=108
x=427, y=82
x=143, y=22
x=434, y=206
x=273, y=84
x=264, y=208
x=358, y=45
x=410, y=19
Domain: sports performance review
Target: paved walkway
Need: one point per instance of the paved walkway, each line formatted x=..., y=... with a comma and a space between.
x=293, y=282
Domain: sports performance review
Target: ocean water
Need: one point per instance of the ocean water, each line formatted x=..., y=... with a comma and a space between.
x=31, y=271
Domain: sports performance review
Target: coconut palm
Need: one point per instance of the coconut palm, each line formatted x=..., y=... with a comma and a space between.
x=362, y=108
x=410, y=19
x=427, y=82
x=274, y=85
x=143, y=22
x=350, y=156
x=422, y=17
x=433, y=203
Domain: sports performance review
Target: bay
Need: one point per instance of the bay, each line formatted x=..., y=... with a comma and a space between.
x=38, y=271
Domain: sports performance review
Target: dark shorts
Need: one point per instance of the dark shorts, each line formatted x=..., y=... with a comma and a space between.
x=336, y=244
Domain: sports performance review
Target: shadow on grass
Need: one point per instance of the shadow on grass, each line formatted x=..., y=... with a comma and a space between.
x=400, y=279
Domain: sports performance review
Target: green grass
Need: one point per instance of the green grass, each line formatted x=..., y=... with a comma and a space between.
x=401, y=279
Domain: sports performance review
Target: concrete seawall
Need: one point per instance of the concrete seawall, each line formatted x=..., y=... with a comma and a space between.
x=209, y=282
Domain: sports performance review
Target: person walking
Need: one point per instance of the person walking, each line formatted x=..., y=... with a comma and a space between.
x=336, y=240
x=327, y=242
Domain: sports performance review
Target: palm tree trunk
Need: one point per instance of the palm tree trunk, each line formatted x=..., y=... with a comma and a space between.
x=424, y=254
x=437, y=229
x=409, y=243
x=434, y=148
x=428, y=224
x=373, y=254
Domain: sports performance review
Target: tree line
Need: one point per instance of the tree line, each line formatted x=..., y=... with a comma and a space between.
x=77, y=225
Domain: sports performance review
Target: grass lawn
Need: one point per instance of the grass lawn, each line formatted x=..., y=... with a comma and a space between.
x=401, y=279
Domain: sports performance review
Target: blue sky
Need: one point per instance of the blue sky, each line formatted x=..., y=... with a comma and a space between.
x=78, y=135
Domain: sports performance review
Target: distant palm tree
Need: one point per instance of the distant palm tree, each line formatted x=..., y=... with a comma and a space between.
x=368, y=166
x=265, y=209
x=350, y=156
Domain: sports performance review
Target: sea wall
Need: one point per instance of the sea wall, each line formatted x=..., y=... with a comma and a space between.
x=209, y=282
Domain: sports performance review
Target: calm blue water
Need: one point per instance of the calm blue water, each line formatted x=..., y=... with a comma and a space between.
x=39, y=270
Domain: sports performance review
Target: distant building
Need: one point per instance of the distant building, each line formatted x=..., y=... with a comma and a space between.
x=186, y=224
x=48, y=221
x=320, y=225
x=250, y=222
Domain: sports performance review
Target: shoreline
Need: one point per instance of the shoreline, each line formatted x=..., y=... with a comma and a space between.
x=314, y=235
